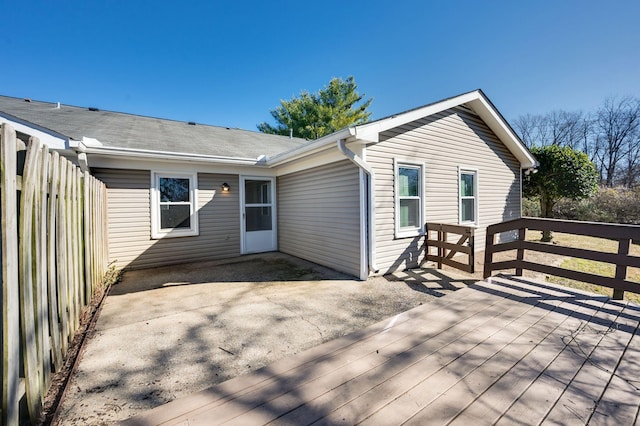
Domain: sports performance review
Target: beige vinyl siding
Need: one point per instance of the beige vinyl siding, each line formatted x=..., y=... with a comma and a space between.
x=443, y=142
x=129, y=221
x=319, y=216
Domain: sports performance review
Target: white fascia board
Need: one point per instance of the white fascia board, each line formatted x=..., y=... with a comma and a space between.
x=48, y=137
x=168, y=156
x=319, y=158
x=173, y=165
x=416, y=114
x=475, y=100
x=498, y=125
x=312, y=147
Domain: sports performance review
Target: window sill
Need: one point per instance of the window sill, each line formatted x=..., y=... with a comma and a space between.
x=174, y=234
x=408, y=234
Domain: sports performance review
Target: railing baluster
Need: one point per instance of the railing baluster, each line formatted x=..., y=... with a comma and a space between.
x=488, y=253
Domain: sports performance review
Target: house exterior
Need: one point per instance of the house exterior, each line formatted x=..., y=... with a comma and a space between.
x=355, y=201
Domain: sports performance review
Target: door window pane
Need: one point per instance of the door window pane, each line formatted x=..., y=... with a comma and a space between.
x=257, y=192
x=258, y=219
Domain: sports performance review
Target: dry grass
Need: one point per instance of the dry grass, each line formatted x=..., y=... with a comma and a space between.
x=589, y=266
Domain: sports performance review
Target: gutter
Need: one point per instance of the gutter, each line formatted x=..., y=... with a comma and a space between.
x=165, y=155
x=362, y=165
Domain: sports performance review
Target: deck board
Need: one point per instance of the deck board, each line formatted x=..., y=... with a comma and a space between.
x=459, y=361
x=536, y=402
x=579, y=400
x=619, y=403
x=491, y=403
x=507, y=351
x=459, y=397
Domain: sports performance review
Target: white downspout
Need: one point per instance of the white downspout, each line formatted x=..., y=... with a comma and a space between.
x=371, y=246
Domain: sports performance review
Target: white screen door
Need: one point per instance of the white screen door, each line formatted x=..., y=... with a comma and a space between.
x=258, y=215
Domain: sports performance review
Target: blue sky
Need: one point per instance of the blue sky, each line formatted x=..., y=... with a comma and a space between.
x=228, y=63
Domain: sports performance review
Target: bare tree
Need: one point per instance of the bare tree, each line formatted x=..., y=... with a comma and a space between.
x=526, y=126
x=629, y=175
x=616, y=127
x=561, y=128
x=567, y=128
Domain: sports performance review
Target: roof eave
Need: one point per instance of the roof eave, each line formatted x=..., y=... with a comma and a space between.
x=51, y=138
x=168, y=156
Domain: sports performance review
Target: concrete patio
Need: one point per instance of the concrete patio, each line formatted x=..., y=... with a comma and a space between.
x=508, y=351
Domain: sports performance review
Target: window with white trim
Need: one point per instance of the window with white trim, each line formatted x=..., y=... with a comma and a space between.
x=409, y=199
x=173, y=205
x=468, y=192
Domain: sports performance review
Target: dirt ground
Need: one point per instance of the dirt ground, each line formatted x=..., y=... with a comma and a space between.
x=168, y=332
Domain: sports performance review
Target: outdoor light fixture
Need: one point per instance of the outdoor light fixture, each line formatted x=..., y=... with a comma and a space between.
x=225, y=187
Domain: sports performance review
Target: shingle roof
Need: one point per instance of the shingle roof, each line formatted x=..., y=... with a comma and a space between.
x=121, y=130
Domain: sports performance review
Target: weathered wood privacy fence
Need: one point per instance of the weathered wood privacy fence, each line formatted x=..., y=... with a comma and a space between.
x=624, y=234
x=53, y=257
x=446, y=250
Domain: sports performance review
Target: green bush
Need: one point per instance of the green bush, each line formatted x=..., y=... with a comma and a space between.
x=614, y=205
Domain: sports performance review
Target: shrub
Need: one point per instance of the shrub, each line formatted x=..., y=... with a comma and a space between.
x=614, y=205
x=531, y=207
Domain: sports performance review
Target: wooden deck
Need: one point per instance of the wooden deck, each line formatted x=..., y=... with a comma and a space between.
x=507, y=351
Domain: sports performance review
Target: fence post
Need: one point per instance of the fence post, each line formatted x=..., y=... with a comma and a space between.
x=522, y=235
x=488, y=253
x=472, y=245
x=9, y=278
x=621, y=270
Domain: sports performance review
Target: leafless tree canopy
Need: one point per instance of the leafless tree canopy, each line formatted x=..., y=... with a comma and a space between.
x=610, y=136
x=555, y=128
